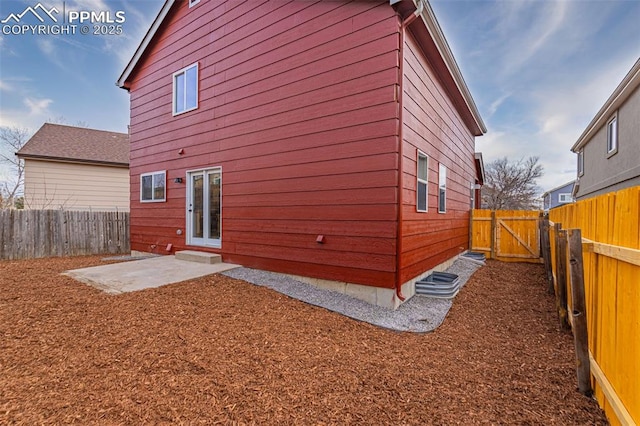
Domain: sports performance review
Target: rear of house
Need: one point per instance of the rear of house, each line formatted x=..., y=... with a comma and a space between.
x=609, y=148
x=328, y=140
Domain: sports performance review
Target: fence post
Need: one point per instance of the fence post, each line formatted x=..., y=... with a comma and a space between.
x=561, y=275
x=494, y=229
x=545, y=247
x=579, y=313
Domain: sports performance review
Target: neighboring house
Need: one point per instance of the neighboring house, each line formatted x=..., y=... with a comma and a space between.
x=558, y=196
x=75, y=168
x=330, y=140
x=609, y=148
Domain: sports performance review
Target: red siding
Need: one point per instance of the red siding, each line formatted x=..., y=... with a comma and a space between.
x=432, y=125
x=297, y=104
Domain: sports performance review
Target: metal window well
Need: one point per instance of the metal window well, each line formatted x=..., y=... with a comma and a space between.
x=474, y=255
x=442, y=285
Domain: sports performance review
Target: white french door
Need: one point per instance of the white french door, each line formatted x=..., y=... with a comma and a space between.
x=204, y=208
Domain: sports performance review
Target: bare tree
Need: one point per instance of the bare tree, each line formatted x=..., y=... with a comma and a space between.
x=61, y=119
x=11, y=140
x=511, y=185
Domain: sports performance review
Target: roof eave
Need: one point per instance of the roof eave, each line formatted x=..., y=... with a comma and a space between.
x=560, y=187
x=71, y=160
x=144, y=43
x=429, y=19
x=629, y=83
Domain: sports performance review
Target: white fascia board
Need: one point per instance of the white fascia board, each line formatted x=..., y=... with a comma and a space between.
x=429, y=19
x=145, y=42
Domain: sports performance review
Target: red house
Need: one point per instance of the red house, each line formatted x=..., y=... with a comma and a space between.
x=332, y=140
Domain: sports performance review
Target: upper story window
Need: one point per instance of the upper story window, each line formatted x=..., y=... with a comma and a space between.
x=442, y=189
x=580, y=162
x=185, y=89
x=564, y=198
x=422, y=182
x=152, y=187
x=612, y=135
x=193, y=2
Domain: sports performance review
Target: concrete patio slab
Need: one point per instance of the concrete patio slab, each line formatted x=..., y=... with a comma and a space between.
x=137, y=275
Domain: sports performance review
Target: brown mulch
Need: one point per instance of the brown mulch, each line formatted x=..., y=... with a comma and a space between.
x=219, y=350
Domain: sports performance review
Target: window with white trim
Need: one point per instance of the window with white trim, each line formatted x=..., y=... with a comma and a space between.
x=564, y=198
x=153, y=187
x=185, y=89
x=580, y=162
x=612, y=135
x=422, y=185
x=442, y=189
x=193, y=2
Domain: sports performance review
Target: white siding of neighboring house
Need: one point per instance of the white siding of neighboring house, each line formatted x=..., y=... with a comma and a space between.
x=72, y=186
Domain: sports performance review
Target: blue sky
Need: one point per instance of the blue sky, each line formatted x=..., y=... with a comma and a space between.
x=538, y=70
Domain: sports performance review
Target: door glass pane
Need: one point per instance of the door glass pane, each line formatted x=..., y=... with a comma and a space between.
x=197, y=212
x=214, y=205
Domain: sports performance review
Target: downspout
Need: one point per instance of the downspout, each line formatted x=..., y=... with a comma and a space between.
x=403, y=26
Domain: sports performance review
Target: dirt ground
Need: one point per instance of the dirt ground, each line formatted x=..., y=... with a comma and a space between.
x=218, y=350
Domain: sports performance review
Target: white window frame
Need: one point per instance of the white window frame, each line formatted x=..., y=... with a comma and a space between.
x=564, y=197
x=442, y=188
x=153, y=182
x=424, y=182
x=174, y=104
x=612, y=135
x=581, y=162
x=193, y=3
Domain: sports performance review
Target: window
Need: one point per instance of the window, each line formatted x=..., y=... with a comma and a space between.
x=442, y=189
x=193, y=2
x=152, y=187
x=564, y=198
x=423, y=182
x=612, y=135
x=185, y=89
x=580, y=163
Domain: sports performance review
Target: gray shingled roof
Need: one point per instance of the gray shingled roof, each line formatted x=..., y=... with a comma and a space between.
x=55, y=141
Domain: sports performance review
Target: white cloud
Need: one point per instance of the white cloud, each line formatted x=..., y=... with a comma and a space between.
x=5, y=87
x=89, y=5
x=38, y=107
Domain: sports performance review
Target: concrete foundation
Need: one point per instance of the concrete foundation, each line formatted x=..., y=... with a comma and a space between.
x=385, y=297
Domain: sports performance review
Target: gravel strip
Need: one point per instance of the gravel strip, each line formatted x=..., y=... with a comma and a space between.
x=420, y=314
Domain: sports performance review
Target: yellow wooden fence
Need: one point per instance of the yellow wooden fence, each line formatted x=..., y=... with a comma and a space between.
x=506, y=235
x=610, y=227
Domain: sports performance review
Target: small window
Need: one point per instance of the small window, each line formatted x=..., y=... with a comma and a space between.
x=564, y=198
x=442, y=189
x=612, y=135
x=185, y=89
x=152, y=187
x=423, y=182
x=193, y=2
x=580, y=163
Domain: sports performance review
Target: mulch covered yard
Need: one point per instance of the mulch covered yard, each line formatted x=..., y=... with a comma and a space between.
x=221, y=350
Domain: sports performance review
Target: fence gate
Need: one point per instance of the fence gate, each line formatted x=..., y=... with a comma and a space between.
x=508, y=235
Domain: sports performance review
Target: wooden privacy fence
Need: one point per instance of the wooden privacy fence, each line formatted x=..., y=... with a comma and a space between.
x=507, y=235
x=43, y=233
x=610, y=228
